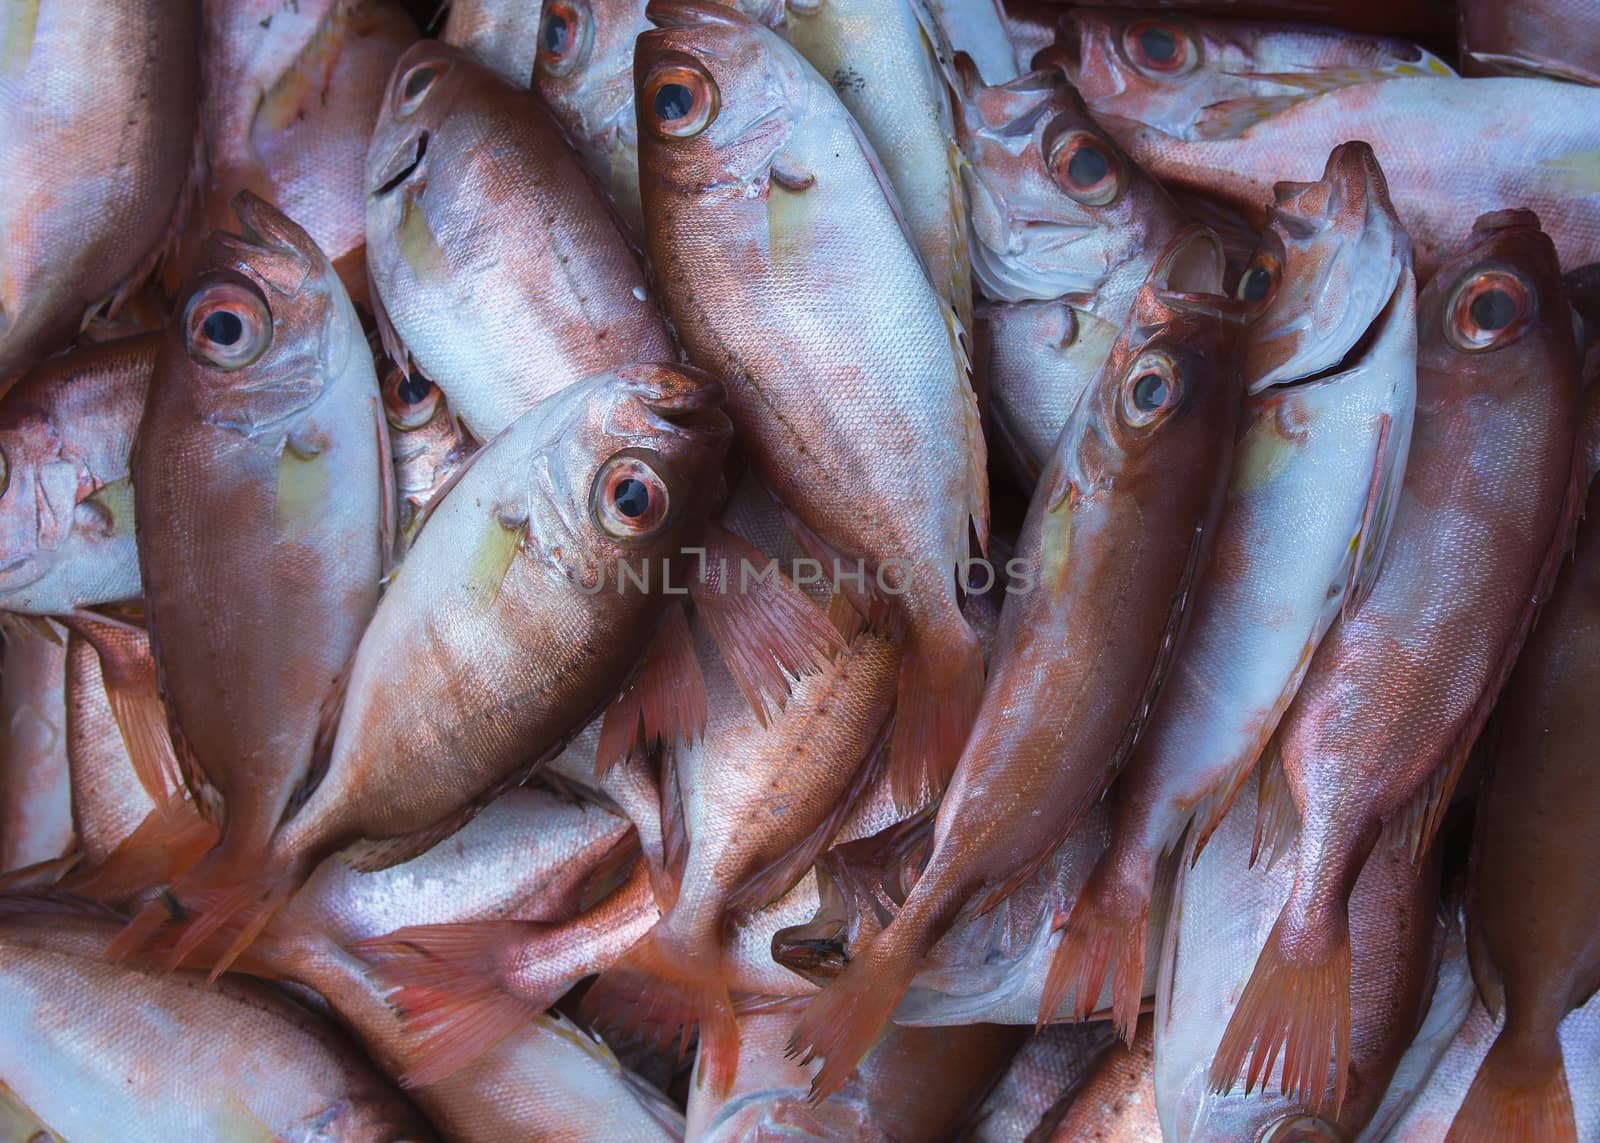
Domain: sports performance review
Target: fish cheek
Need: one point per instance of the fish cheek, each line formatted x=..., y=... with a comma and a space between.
x=791, y=224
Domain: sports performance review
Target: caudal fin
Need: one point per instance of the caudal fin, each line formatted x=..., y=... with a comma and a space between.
x=1515, y=1097
x=662, y=988
x=845, y=1019
x=940, y=690
x=172, y=837
x=1108, y=926
x=447, y=983
x=1296, y=1005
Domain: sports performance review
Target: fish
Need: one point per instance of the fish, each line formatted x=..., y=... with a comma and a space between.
x=1222, y=913
x=1329, y=355
x=514, y=593
x=1554, y=38
x=1419, y=19
x=290, y=89
x=98, y=148
x=503, y=35
x=1534, y=957
x=35, y=794
x=260, y=459
x=982, y=31
x=767, y=210
x=1117, y=1103
x=1064, y=229
x=1048, y=1069
x=879, y=57
x=66, y=498
x=1400, y=688
x=500, y=272
x=1130, y=497
x=427, y=445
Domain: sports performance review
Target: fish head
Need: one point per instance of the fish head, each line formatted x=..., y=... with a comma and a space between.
x=718, y=96
x=427, y=83
x=584, y=64
x=629, y=463
x=40, y=489
x=1495, y=315
x=1056, y=206
x=263, y=327
x=1331, y=278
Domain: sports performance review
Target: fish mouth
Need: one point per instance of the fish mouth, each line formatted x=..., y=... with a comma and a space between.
x=1360, y=350
x=692, y=13
x=402, y=164
x=688, y=404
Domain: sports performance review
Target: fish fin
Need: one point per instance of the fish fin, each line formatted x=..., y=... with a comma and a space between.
x=845, y=617
x=766, y=631
x=166, y=844
x=446, y=981
x=875, y=611
x=1296, y=1006
x=674, y=838
x=216, y=897
x=1371, y=541
x=664, y=702
x=1485, y=975
x=328, y=716
x=207, y=799
x=1109, y=925
x=1277, y=819
x=1210, y=811
x=936, y=703
x=168, y=250
x=845, y=1019
x=129, y=674
x=40, y=876
x=394, y=347
x=389, y=526
x=1512, y=1097
x=661, y=988
x=369, y=855
x=610, y=873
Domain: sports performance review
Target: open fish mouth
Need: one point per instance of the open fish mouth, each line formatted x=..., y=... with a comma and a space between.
x=692, y=409
x=402, y=164
x=1360, y=350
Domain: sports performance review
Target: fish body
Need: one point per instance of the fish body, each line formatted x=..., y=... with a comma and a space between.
x=108, y=800
x=1117, y=1103
x=1046, y=1071
x=764, y=190
x=35, y=794
x=97, y=148
x=500, y=271
x=1078, y=658
x=1400, y=688
x=503, y=35
x=66, y=500
x=1316, y=472
x=1559, y=38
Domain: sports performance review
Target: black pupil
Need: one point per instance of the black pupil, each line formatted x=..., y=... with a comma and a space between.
x=418, y=81
x=1087, y=166
x=1158, y=45
x=1493, y=309
x=631, y=497
x=222, y=327
x=556, y=31
x=673, y=101
x=1257, y=280
x=414, y=388
x=1149, y=393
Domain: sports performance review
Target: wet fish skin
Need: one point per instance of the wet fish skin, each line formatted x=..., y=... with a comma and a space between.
x=35, y=793
x=108, y=800
x=66, y=501
x=1117, y=1103
x=1559, y=38
x=503, y=35
x=1046, y=1070
x=500, y=271
x=97, y=149
x=1400, y=688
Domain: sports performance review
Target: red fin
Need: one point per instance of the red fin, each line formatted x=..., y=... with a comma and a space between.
x=665, y=702
x=1514, y=1098
x=845, y=1019
x=445, y=980
x=1277, y=819
x=1376, y=517
x=129, y=673
x=937, y=701
x=1297, y=1007
x=167, y=843
x=766, y=630
x=221, y=893
x=1108, y=926
x=662, y=987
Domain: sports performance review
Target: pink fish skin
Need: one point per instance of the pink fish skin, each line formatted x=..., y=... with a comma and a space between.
x=1559, y=38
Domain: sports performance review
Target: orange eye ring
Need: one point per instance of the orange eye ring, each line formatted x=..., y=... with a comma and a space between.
x=1260, y=280
x=679, y=101
x=629, y=498
x=226, y=323
x=1489, y=308
x=1158, y=48
x=412, y=88
x=1151, y=389
x=409, y=399
x=566, y=35
x=1087, y=168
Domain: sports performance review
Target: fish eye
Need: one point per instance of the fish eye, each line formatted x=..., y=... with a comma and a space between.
x=629, y=497
x=680, y=101
x=566, y=31
x=414, y=87
x=1489, y=308
x=409, y=399
x=1087, y=169
x=1260, y=279
x=1151, y=389
x=226, y=323
x=1159, y=48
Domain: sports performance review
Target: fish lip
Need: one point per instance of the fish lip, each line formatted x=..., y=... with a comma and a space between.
x=692, y=411
x=1359, y=352
x=402, y=163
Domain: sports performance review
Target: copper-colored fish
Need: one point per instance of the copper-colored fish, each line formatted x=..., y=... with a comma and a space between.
x=1116, y=1104
x=66, y=501
x=503, y=35
x=1535, y=950
x=35, y=796
x=500, y=271
x=1117, y=527
x=794, y=280
x=1559, y=38
x=97, y=134
x=1399, y=690
x=1046, y=1070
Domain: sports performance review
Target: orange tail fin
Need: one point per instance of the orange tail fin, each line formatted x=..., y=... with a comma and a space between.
x=447, y=983
x=1108, y=925
x=940, y=690
x=1295, y=1004
x=661, y=988
x=1513, y=1097
x=172, y=837
x=845, y=1019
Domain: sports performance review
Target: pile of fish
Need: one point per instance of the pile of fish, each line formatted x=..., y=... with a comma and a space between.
x=829, y=569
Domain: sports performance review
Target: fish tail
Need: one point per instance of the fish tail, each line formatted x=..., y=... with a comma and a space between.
x=1108, y=927
x=1296, y=1002
x=227, y=896
x=449, y=984
x=940, y=690
x=663, y=987
x=171, y=839
x=1518, y=1093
